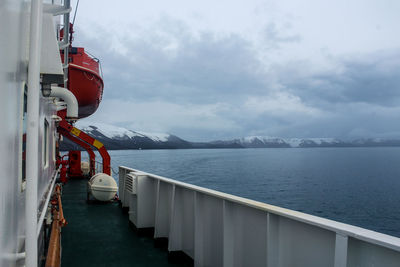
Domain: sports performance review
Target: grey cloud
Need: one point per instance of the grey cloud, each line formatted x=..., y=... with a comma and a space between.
x=274, y=38
x=374, y=79
x=359, y=95
x=372, y=82
x=179, y=65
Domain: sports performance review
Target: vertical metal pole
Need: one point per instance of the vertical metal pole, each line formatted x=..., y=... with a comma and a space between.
x=32, y=133
x=67, y=5
x=341, y=245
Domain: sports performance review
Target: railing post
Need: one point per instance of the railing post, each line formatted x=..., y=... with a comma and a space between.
x=228, y=234
x=341, y=250
x=272, y=240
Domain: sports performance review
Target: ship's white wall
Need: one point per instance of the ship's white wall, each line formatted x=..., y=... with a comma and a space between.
x=47, y=109
x=14, y=38
x=13, y=72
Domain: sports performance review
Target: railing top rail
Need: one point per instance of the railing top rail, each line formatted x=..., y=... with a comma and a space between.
x=338, y=227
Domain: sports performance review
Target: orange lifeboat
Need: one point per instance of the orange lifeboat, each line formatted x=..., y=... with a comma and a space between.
x=84, y=78
x=85, y=81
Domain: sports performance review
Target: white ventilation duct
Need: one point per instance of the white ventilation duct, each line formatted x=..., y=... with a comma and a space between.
x=69, y=98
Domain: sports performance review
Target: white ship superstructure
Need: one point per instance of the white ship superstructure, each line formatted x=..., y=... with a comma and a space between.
x=28, y=130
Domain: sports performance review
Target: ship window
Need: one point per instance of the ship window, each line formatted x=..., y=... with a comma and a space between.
x=23, y=141
x=53, y=148
x=45, y=146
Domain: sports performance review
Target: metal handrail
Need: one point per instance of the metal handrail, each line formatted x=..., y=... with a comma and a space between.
x=99, y=167
x=97, y=60
x=334, y=226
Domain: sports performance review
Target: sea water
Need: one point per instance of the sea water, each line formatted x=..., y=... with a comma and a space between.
x=359, y=186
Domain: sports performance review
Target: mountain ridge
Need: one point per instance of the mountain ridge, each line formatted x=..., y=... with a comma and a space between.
x=119, y=138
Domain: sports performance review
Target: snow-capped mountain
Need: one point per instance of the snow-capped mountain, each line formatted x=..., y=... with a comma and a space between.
x=267, y=141
x=114, y=137
x=114, y=132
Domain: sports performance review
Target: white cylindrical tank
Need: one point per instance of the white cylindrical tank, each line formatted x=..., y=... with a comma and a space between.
x=102, y=186
x=85, y=167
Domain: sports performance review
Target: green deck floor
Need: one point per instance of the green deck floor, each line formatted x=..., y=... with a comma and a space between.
x=99, y=234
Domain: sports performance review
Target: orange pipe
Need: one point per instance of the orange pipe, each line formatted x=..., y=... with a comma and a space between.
x=62, y=220
x=53, y=254
x=54, y=251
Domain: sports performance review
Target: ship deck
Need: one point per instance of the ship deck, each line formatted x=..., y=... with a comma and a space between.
x=99, y=234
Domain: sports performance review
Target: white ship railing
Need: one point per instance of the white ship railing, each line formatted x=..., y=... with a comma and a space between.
x=218, y=229
x=98, y=167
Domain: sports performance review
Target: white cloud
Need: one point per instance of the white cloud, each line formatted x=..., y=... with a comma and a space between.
x=162, y=116
x=282, y=104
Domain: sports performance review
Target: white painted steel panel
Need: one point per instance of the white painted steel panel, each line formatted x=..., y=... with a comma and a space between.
x=50, y=60
x=13, y=76
x=365, y=254
x=14, y=40
x=208, y=239
x=146, y=203
x=245, y=237
x=163, y=209
x=142, y=210
x=46, y=172
x=133, y=210
x=302, y=244
x=121, y=186
x=181, y=237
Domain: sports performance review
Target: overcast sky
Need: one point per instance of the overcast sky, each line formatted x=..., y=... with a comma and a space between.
x=206, y=70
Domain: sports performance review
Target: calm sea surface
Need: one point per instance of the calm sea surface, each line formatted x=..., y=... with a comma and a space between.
x=359, y=186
